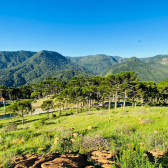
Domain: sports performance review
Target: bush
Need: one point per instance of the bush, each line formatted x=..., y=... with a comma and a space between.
x=9, y=127
x=135, y=158
x=95, y=142
x=39, y=123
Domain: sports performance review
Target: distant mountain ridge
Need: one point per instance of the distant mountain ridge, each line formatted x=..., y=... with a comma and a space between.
x=24, y=67
x=97, y=63
x=13, y=58
x=34, y=67
x=145, y=71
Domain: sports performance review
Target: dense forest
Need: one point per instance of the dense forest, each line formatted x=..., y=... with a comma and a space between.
x=119, y=90
x=25, y=67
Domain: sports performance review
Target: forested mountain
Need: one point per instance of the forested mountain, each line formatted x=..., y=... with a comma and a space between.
x=158, y=59
x=95, y=64
x=41, y=63
x=120, y=59
x=144, y=70
x=65, y=75
x=10, y=59
x=25, y=67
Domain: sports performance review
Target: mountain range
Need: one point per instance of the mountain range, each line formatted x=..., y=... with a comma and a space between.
x=24, y=67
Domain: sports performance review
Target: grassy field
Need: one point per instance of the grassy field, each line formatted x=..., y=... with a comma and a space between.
x=120, y=130
x=2, y=109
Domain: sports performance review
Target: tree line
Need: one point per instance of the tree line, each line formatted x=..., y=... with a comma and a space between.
x=84, y=92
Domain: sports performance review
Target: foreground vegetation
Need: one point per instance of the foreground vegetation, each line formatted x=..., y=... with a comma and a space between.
x=90, y=113
x=120, y=130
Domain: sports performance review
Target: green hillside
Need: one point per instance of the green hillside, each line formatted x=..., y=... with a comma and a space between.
x=95, y=64
x=24, y=67
x=120, y=59
x=34, y=67
x=158, y=60
x=9, y=59
x=64, y=75
x=144, y=70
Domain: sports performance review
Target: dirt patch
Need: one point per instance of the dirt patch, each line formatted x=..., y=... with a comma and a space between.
x=69, y=160
x=66, y=161
x=51, y=161
x=103, y=158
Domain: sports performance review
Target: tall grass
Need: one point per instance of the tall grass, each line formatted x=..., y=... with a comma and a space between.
x=119, y=128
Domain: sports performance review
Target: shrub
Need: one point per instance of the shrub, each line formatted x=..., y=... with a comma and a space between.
x=95, y=142
x=135, y=158
x=9, y=127
x=39, y=123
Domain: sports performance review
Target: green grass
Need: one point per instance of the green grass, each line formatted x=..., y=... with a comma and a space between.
x=2, y=109
x=38, y=133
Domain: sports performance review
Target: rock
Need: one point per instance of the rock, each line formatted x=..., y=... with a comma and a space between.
x=56, y=140
x=54, y=116
x=158, y=153
x=4, y=146
x=22, y=141
x=141, y=143
x=40, y=149
x=142, y=122
x=129, y=146
x=75, y=134
x=90, y=127
x=155, y=132
x=73, y=140
x=106, y=166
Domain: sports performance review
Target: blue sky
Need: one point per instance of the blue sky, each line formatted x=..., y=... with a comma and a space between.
x=82, y=27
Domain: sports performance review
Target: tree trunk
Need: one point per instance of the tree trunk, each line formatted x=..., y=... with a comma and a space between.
x=109, y=103
x=124, y=98
x=88, y=105
x=22, y=119
x=4, y=106
x=77, y=107
x=133, y=102
x=116, y=100
x=67, y=108
x=83, y=105
x=10, y=97
x=113, y=97
x=48, y=114
x=97, y=98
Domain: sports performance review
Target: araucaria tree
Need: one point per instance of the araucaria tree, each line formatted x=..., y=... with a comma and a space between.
x=24, y=107
x=47, y=106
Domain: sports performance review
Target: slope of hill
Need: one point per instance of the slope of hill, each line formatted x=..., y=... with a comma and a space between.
x=64, y=75
x=144, y=70
x=40, y=63
x=120, y=59
x=95, y=64
x=158, y=59
x=10, y=59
